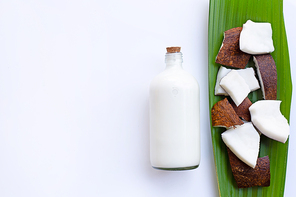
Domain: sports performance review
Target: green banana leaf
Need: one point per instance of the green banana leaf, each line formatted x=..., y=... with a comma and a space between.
x=227, y=14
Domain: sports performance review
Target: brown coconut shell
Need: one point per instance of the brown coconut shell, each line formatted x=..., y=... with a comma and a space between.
x=266, y=66
x=230, y=53
x=246, y=176
x=223, y=115
x=243, y=109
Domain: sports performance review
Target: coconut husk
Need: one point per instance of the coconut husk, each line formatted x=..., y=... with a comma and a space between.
x=268, y=75
x=243, y=109
x=245, y=176
x=223, y=115
x=230, y=53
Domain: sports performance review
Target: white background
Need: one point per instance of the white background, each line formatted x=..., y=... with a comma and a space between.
x=74, y=79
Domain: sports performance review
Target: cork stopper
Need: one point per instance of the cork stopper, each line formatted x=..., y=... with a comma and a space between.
x=173, y=49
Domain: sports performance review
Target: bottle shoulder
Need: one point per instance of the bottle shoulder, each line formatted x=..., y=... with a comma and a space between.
x=178, y=77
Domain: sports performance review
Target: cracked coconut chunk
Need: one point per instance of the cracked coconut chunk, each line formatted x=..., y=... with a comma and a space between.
x=256, y=38
x=223, y=115
x=243, y=109
x=267, y=74
x=267, y=117
x=229, y=53
x=248, y=74
x=243, y=141
x=221, y=73
x=245, y=176
x=235, y=86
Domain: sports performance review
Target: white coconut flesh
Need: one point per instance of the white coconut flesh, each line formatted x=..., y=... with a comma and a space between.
x=221, y=73
x=256, y=38
x=244, y=142
x=235, y=86
x=267, y=117
x=248, y=74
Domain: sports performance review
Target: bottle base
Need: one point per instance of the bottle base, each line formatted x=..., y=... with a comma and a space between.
x=176, y=169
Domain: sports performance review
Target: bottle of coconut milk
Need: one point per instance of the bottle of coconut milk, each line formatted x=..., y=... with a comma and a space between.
x=174, y=116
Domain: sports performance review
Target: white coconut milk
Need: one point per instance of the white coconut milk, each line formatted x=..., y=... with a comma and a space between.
x=174, y=118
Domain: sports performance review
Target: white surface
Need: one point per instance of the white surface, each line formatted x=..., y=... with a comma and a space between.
x=74, y=78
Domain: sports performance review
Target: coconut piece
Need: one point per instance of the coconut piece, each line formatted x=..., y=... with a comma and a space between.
x=243, y=109
x=235, y=86
x=267, y=73
x=256, y=38
x=221, y=73
x=249, y=76
x=243, y=141
x=267, y=117
x=223, y=115
x=230, y=53
x=245, y=176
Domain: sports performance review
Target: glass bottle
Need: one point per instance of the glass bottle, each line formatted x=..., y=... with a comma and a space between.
x=174, y=116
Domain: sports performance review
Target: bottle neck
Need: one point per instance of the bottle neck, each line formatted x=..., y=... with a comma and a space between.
x=173, y=60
